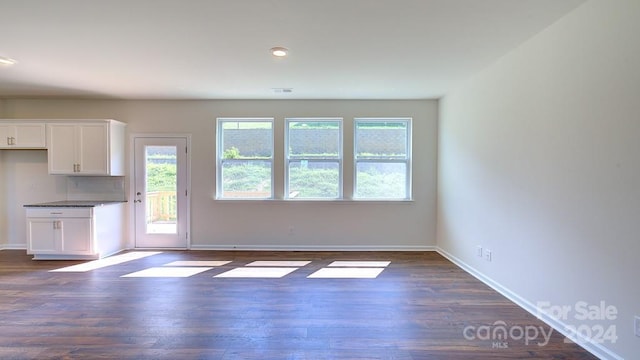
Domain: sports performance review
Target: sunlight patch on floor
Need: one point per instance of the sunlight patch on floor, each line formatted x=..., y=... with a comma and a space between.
x=257, y=272
x=359, y=264
x=280, y=263
x=255, y=269
x=346, y=273
x=169, y=271
x=108, y=261
x=197, y=263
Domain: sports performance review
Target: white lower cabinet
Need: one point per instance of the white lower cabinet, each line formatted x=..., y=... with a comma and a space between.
x=74, y=233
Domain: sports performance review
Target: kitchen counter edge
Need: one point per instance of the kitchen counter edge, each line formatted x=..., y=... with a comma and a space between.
x=73, y=204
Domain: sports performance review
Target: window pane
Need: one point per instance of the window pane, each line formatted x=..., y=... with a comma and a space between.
x=245, y=151
x=314, y=179
x=246, y=179
x=309, y=139
x=247, y=139
x=381, y=180
x=381, y=139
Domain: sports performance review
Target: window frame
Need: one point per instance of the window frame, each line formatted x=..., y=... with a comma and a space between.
x=407, y=160
x=288, y=158
x=220, y=161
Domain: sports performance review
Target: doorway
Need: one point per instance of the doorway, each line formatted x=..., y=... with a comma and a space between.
x=161, y=194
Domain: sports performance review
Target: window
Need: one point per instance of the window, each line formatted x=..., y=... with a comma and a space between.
x=313, y=149
x=382, y=159
x=245, y=159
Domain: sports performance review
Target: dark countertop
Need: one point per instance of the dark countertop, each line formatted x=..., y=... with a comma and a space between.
x=73, y=203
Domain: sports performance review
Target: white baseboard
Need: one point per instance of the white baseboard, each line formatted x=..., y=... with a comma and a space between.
x=594, y=348
x=13, y=247
x=312, y=248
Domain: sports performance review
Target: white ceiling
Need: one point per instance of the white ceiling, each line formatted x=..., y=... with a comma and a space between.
x=219, y=49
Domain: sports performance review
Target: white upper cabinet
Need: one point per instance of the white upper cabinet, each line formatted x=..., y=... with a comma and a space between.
x=86, y=147
x=27, y=135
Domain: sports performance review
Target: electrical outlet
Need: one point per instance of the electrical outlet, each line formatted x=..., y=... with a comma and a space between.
x=637, y=325
x=479, y=251
x=487, y=255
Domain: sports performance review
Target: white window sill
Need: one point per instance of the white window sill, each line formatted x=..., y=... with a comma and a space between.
x=320, y=201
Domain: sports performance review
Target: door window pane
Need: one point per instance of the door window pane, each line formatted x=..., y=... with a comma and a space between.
x=161, y=186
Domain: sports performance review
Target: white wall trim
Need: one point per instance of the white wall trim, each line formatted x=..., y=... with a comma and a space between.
x=13, y=247
x=594, y=348
x=312, y=248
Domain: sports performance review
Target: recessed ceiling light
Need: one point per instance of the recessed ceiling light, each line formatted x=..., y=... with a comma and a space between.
x=7, y=61
x=279, y=51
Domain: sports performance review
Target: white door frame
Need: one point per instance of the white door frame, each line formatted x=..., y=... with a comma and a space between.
x=131, y=244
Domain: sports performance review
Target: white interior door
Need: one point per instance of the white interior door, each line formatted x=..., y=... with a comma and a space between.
x=160, y=192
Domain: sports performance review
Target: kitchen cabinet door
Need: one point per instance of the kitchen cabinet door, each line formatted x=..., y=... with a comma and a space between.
x=86, y=148
x=92, y=149
x=62, y=148
x=42, y=236
x=70, y=236
x=22, y=136
x=30, y=136
x=75, y=236
x=6, y=132
x=78, y=149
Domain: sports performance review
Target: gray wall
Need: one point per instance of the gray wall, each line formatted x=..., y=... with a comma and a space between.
x=261, y=224
x=539, y=162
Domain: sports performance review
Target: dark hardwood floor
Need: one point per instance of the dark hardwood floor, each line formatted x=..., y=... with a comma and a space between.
x=417, y=308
